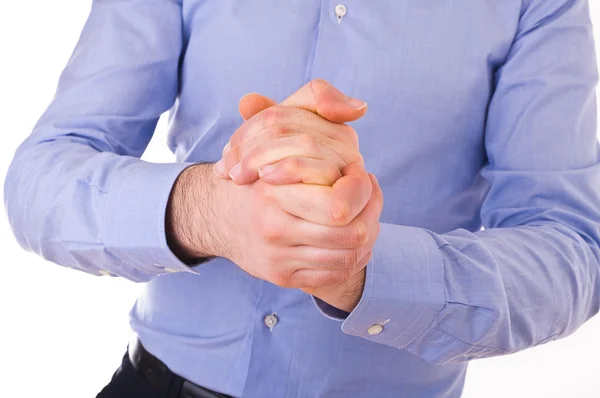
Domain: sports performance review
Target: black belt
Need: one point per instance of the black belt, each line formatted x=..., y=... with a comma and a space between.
x=159, y=376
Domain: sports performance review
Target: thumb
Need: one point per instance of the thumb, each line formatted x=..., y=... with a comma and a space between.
x=253, y=103
x=320, y=97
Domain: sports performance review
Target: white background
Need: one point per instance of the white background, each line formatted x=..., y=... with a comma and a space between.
x=63, y=333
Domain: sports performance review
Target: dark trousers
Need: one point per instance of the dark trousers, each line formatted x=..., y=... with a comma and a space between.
x=128, y=383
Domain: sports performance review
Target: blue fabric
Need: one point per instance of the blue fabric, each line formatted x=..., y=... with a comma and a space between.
x=481, y=114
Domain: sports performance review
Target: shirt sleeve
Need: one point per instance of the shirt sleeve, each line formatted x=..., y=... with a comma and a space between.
x=532, y=275
x=76, y=192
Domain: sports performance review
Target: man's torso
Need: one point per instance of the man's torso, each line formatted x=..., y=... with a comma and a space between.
x=426, y=69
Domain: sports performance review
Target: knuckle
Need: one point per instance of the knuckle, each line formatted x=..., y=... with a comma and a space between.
x=245, y=163
x=345, y=275
x=349, y=259
x=279, y=130
x=348, y=134
x=307, y=140
x=269, y=232
x=270, y=116
x=336, y=277
x=341, y=213
x=261, y=227
x=332, y=173
x=318, y=85
x=283, y=279
x=348, y=131
x=319, y=80
x=377, y=229
x=341, y=261
x=324, y=279
x=358, y=157
x=293, y=165
x=265, y=196
x=272, y=234
x=360, y=234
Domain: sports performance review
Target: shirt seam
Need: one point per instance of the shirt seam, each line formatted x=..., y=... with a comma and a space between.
x=470, y=344
x=380, y=339
x=428, y=261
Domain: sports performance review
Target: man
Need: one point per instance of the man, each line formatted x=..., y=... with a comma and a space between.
x=273, y=268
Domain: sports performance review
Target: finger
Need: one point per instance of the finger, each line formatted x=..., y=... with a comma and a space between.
x=249, y=105
x=360, y=232
x=311, y=280
x=318, y=258
x=342, y=148
x=227, y=162
x=370, y=216
x=317, y=96
x=348, y=152
x=364, y=261
x=338, y=262
x=290, y=232
x=298, y=169
x=273, y=151
x=330, y=206
x=351, y=193
x=377, y=195
x=346, y=149
x=323, y=99
x=306, y=201
x=368, y=247
x=284, y=120
x=253, y=103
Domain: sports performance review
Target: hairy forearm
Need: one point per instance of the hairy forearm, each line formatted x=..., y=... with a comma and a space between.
x=191, y=219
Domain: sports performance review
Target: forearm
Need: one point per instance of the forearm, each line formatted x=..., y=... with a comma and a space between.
x=191, y=219
x=97, y=212
x=533, y=274
x=459, y=296
x=77, y=192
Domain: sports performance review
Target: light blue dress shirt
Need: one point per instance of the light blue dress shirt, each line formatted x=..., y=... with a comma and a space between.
x=481, y=114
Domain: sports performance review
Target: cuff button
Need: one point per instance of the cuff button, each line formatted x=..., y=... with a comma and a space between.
x=375, y=329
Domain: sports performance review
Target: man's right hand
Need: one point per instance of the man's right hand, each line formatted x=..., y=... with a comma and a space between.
x=293, y=235
x=247, y=225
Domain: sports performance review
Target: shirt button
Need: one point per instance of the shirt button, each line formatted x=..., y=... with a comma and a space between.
x=375, y=329
x=271, y=321
x=340, y=12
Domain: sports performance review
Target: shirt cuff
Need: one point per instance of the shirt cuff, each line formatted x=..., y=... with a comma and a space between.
x=134, y=217
x=404, y=288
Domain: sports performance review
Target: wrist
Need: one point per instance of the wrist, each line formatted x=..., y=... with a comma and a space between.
x=191, y=220
x=346, y=296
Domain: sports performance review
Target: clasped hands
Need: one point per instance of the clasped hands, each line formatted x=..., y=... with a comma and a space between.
x=309, y=214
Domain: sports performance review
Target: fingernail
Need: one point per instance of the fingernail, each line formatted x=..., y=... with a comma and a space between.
x=219, y=168
x=356, y=103
x=252, y=93
x=234, y=173
x=264, y=170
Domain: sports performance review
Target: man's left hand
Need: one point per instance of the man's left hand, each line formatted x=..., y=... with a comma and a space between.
x=309, y=145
